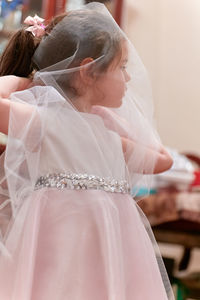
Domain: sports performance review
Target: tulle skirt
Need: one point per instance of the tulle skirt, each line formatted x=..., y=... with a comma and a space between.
x=80, y=245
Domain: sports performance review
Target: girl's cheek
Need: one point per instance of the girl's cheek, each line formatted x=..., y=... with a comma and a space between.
x=121, y=74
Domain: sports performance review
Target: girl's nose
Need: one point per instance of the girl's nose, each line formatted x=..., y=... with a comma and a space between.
x=127, y=76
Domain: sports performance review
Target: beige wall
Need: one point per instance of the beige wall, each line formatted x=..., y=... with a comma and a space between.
x=166, y=33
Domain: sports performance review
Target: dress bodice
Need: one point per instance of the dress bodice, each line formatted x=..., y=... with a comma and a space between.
x=87, y=147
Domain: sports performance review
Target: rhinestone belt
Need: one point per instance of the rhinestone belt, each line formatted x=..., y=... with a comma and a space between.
x=82, y=182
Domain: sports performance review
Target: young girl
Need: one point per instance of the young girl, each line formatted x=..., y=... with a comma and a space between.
x=78, y=140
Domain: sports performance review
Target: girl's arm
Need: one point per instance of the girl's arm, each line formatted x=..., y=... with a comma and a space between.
x=8, y=85
x=23, y=111
x=11, y=83
x=25, y=114
x=4, y=115
x=163, y=160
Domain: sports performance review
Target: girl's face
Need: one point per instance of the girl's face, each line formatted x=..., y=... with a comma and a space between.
x=109, y=89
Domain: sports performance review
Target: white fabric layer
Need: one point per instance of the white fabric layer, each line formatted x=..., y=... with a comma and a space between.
x=66, y=244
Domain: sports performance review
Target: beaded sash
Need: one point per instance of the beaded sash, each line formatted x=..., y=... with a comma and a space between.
x=82, y=182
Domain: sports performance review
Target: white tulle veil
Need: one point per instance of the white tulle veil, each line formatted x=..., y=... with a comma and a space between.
x=69, y=98
x=133, y=117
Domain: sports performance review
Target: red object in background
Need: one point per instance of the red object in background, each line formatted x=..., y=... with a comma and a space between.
x=195, y=159
x=118, y=11
x=196, y=181
x=50, y=8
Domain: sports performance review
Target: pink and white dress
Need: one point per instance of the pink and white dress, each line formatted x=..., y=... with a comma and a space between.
x=76, y=231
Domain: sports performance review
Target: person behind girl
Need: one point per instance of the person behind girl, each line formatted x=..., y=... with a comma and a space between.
x=78, y=140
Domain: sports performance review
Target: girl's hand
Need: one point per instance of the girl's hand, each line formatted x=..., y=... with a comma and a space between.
x=11, y=83
x=163, y=160
x=111, y=120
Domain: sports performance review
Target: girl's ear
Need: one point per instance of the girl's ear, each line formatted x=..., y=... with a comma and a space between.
x=85, y=70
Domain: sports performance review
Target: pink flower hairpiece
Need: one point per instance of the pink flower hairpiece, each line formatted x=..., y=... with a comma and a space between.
x=37, y=28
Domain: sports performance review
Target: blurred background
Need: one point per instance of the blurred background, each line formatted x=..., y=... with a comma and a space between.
x=166, y=34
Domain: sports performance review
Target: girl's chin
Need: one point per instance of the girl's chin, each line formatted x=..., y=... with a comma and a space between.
x=116, y=104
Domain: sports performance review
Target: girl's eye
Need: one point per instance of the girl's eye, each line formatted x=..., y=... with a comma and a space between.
x=123, y=67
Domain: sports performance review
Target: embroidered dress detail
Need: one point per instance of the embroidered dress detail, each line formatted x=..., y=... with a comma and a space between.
x=82, y=182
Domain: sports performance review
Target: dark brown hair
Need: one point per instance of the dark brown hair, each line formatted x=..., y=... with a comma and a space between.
x=94, y=32
x=17, y=56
